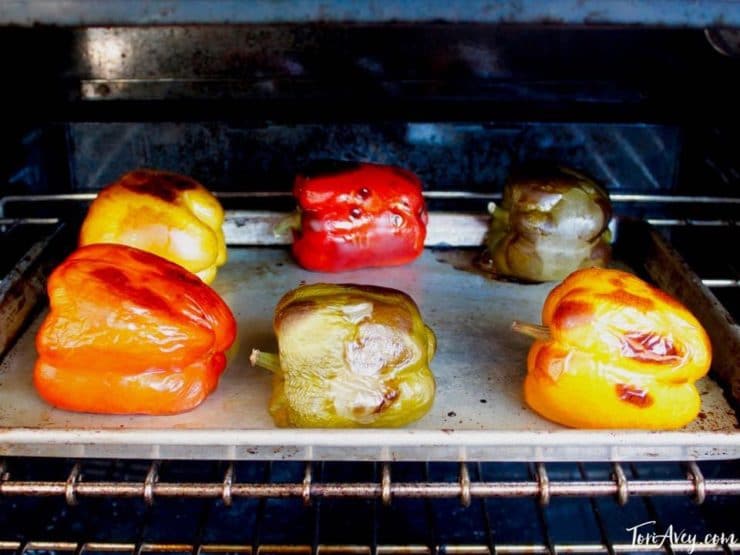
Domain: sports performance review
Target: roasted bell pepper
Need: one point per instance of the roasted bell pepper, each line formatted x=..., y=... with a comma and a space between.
x=353, y=215
x=164, y=213
x=349, y=356
x=551, y=221
x=615, y=352
x=129, y=332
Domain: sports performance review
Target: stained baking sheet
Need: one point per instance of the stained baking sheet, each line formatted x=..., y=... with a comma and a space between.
x=478, y=413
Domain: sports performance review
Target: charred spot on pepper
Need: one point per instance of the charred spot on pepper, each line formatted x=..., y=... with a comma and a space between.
x=649, y=346
x=177, y=182
x=634, y=395
x=162, y=185
x=296, y=311
x=153, y=189
x=573, y=314
x=623, y=297
x=617, y=281
x=389, y=395
x=121, y=284
x=326, y=167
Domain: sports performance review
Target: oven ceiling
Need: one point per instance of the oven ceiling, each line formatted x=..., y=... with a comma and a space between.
x=706, y=13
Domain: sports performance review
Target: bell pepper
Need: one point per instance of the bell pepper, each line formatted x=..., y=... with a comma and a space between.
x=615, y=352
x=129, y=332
x=356, y=215
x=349, y=356
x=165, y=213
x=551, y=221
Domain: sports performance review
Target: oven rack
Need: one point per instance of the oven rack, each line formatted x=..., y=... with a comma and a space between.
x=541, y=487
x=629, y=486
x=663, y=211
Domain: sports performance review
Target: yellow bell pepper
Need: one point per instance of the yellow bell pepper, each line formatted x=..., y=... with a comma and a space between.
x=164, y=213
x=615, y=352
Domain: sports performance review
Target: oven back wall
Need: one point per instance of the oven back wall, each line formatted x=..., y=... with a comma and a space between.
x=474, y=157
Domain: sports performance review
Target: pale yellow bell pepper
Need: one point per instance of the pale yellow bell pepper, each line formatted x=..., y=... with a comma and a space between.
x=165, y=213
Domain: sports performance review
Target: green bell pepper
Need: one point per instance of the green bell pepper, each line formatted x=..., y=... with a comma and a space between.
x=349, y=356
x=551, y=222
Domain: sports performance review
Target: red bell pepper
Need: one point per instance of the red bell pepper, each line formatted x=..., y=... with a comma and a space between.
x=357, y=215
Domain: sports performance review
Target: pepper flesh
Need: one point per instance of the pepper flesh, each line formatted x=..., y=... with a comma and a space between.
x=349, y=356
x=165, y=213
x=616, y=352
x=129, y=332
x=356, y=215
x=551, y=222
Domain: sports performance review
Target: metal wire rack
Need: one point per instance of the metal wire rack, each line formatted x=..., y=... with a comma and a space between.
x=540, y=487
x=611, y=494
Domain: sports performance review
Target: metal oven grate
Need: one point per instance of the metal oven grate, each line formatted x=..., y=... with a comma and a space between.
x=395, y=508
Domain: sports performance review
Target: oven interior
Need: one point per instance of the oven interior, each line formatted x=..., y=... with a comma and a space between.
x=650, y=111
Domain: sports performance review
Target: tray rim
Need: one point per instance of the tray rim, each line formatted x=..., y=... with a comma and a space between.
x=387, y=444
x=410, y=444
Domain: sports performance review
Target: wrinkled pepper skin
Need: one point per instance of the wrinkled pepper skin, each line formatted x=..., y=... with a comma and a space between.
x=551, y=222
x=621, y=354
x=129, y=332
x=164, y=213
x=355, y=215
x=350, y=356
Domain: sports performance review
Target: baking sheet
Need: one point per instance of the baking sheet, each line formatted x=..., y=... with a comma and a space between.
x=478, y=413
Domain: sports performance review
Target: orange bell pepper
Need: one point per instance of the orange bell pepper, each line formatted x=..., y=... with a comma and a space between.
x=165, y=213
x=129, y=332
x=615, y=352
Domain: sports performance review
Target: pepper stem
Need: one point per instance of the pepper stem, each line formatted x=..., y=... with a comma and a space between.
x=268, y=361
x=288, y=223
x=532, y=330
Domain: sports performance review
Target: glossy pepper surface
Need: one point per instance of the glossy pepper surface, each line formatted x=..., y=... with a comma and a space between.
x=551, y=221
x=615, y=352
x=129, y=332
x=164, y=213
x=354, y=215
x=349, y=356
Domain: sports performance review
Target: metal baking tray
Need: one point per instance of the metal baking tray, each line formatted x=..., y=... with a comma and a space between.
x=478, y=413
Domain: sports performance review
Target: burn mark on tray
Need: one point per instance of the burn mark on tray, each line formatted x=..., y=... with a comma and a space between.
x=475, y=262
